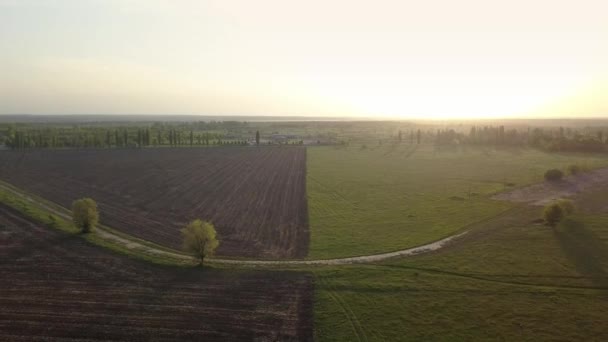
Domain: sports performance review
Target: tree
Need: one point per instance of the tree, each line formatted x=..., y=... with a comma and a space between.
x=473, y=134
x=85, y=214
x=200, y=239
x=257, y=137
x=553, y=214
x=148, y=140
x=556, y=211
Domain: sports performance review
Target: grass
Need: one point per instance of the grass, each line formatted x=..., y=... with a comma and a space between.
x=55, y=208
x=45, y=217
x=391, y=197
x=401, y=304
x=508, y=279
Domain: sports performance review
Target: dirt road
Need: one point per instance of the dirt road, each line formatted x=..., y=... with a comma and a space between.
x=147, y=249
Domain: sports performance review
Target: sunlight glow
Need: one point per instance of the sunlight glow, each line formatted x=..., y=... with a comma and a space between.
x=395, y=59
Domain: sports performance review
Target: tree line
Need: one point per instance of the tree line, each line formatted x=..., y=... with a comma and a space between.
x=550, y=139
x=121, y=137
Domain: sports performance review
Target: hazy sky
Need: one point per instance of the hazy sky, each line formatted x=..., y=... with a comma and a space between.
x=429, y=59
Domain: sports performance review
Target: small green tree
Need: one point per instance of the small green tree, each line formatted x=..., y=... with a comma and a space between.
x=85, y=214
x=200, y=239
x=257, y=137
x=557, y=211
x=553, y=214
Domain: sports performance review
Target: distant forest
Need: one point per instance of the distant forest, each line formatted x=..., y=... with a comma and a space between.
x=555, y=139
x=19, y=136
x=573, y=136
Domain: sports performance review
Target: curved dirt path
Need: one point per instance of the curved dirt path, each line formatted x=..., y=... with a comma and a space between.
x=536, y=194
x=145, y=248
x=433, y=246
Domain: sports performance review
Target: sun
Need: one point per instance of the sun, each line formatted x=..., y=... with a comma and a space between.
x=446, y=97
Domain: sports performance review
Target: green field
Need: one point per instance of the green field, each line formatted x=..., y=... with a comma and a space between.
x=393, y=196
x=508, y=279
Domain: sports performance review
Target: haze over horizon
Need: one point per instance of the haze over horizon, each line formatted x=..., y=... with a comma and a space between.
x=381, y=59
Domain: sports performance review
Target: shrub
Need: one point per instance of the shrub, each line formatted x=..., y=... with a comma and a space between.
x=554, y=175
x=553, y=214
x=556, y=211
x=84, y=214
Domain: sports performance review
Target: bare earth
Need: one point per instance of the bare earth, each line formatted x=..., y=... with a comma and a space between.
x=58, y=287
x=255, y=197
x=547, y=192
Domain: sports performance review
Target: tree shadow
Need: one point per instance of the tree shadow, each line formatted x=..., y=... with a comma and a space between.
x=585, y=249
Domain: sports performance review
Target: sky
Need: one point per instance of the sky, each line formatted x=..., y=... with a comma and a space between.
x=384, y=59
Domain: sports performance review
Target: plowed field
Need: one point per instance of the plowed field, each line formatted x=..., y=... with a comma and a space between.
x=256, y=197
x=58, y=287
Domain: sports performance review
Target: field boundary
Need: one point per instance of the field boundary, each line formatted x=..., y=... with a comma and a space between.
x=137, y=245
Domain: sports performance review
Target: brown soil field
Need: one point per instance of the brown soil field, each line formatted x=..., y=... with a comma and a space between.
x=58, y=287
x=256, y=197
